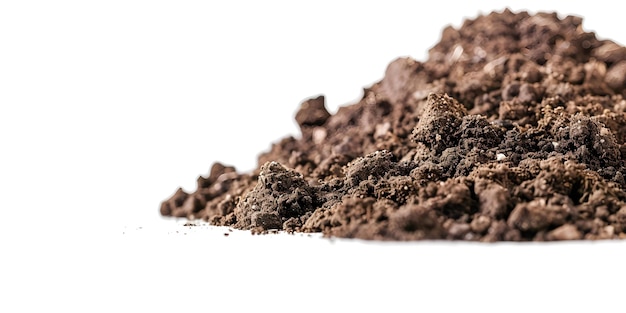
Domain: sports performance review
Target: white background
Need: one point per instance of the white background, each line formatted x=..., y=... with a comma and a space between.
x=106, y=107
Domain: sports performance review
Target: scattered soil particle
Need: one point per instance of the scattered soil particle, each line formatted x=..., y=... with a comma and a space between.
x=513, y=129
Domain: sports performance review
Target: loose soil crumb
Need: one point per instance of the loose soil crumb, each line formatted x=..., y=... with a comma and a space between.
x=513, y=129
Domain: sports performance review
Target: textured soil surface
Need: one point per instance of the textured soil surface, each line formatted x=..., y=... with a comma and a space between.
x=514, y=129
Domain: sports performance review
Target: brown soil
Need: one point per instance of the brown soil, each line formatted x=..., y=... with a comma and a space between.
x=513, y=129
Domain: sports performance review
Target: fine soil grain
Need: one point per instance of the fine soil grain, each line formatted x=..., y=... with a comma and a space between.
x=514, y=129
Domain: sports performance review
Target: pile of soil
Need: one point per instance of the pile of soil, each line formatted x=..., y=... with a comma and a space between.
x=513, y=129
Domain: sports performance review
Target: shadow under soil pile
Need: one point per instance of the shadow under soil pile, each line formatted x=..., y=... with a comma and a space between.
x=513, y=129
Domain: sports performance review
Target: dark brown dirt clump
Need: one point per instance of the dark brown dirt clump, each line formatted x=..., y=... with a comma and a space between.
x=513, y=129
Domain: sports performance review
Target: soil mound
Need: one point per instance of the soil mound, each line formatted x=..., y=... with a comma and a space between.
x=513, y=129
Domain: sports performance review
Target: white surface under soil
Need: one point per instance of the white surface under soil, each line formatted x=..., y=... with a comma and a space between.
x=164, y=266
